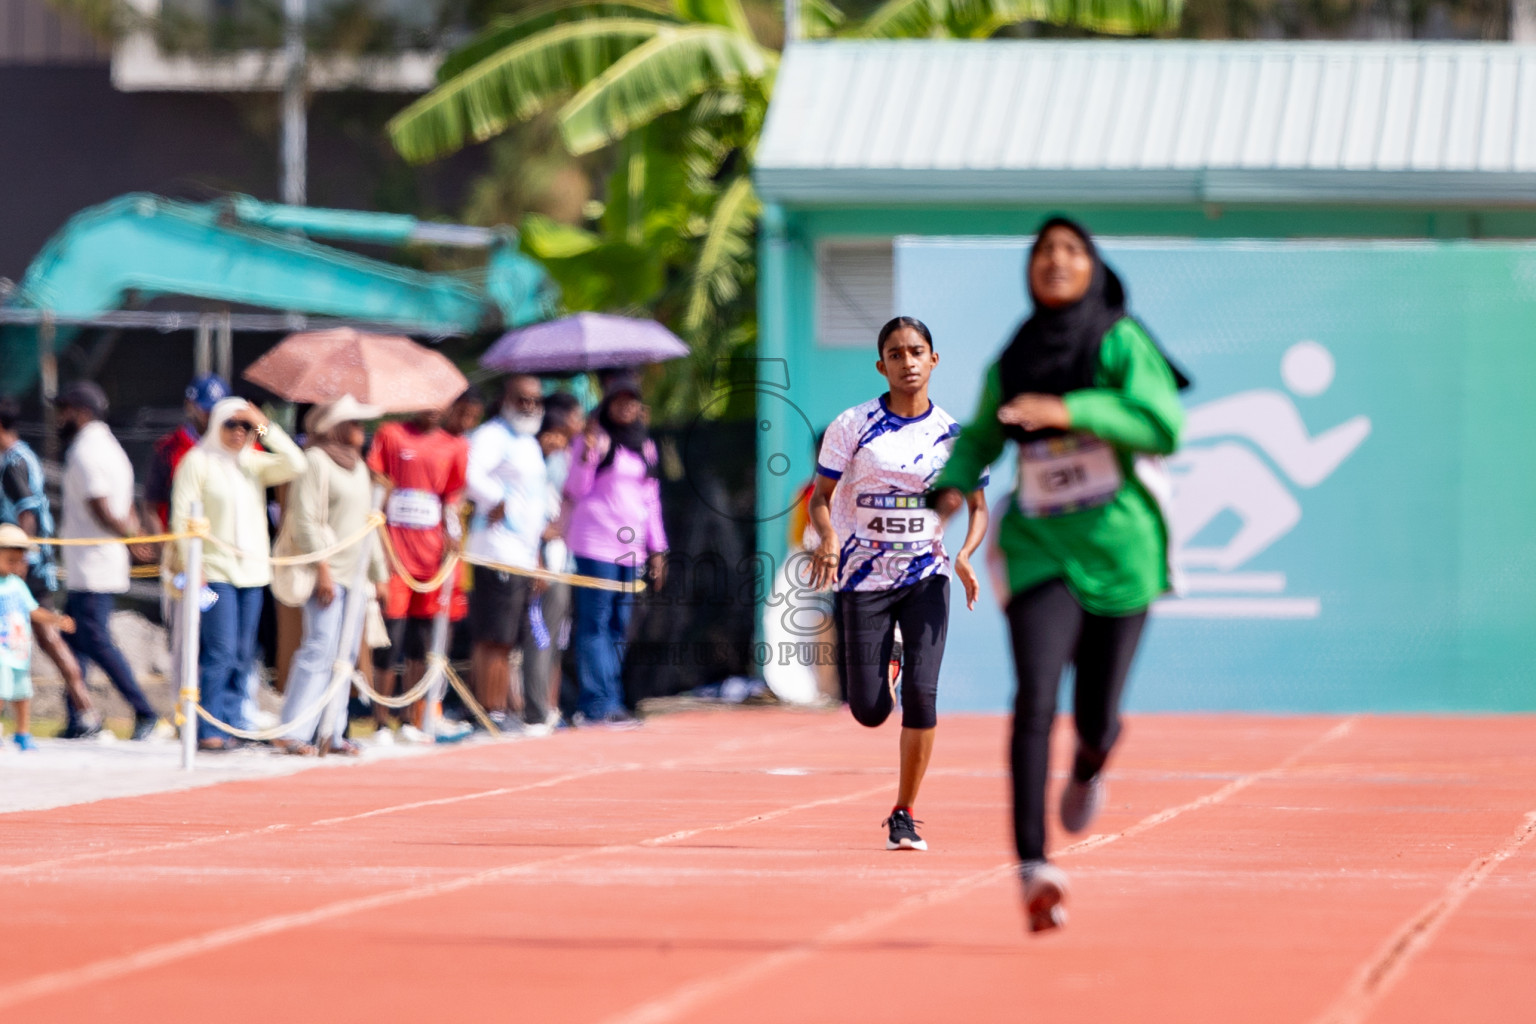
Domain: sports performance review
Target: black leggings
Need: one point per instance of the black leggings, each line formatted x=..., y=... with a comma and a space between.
x=1049, y=630
x=866, y=635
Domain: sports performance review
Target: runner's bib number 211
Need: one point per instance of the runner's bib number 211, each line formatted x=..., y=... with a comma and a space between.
x=896, y=522
x=1066, y=474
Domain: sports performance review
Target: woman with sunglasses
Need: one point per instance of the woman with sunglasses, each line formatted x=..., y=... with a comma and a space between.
x=229, y=476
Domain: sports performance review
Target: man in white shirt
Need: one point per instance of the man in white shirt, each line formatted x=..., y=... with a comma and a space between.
x=505, y=481
x=98, y=502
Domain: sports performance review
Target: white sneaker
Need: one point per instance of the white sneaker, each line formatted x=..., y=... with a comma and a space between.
x=383, y=737
x=537, y=729
x=447, y=731
x=553, y=719
x=410, y=734
x=1045, y=892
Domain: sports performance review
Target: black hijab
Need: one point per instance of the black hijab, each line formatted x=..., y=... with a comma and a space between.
x=632, y=435
x=1057, y=350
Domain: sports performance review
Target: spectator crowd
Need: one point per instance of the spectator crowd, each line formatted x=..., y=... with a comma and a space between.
x=541, y=499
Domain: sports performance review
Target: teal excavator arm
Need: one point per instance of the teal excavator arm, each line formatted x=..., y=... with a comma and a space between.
x=241, y=251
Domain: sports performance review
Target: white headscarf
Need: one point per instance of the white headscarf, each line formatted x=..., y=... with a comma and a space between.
x=213, y=438
x=250, y=533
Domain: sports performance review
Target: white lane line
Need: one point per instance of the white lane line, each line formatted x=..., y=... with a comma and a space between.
x=727, y=746
x=170, y=952
x=178, y=844
x=695, y=994
x=1379, y=974
x=689, y=833
x=1232, y=788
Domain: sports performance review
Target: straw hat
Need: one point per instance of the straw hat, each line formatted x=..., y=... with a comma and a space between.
x=12, y=536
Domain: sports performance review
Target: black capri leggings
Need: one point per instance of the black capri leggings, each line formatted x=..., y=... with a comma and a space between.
x=1049, y=630
x=866, y=632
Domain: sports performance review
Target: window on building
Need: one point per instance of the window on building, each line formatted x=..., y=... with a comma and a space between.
x=855, y=292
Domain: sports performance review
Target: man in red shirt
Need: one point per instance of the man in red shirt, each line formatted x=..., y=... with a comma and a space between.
x=423, y=465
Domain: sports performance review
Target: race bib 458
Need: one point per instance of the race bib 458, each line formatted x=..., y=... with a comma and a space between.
x=895, y=522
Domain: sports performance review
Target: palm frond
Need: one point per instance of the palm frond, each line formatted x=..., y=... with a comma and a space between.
x=514, y=84
x=725, y=13
x=659, y=76
x=504, y=31
x=820, y=19
x=908, y=19
x=717, y=276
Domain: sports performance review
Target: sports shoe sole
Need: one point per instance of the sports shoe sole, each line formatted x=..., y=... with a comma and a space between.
x=907, y=844
x=1043, y=900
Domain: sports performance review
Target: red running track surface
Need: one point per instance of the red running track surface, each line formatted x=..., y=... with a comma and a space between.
x=730, y=867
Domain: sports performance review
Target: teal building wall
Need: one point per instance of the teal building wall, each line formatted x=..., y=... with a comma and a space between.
x=1360, y=422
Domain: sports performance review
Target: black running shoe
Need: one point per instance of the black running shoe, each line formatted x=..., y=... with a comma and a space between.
x=82, y=729
x=144, y=726
x=903, y=832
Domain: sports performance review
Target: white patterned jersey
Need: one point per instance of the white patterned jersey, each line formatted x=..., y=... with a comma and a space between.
x=884, y=465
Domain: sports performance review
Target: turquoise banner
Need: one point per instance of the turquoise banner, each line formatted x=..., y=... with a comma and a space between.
x=1355, y=495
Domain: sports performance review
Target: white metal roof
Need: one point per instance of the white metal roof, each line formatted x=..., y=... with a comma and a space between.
x=1026, y=121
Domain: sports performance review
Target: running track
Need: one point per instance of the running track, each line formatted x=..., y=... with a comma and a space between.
x=729, y=867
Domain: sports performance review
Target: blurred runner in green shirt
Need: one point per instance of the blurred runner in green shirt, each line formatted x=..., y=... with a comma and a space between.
x=1090, y=402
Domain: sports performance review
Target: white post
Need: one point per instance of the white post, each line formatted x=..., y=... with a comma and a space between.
x=295, y=126
x=439, y=688
x=191, y=618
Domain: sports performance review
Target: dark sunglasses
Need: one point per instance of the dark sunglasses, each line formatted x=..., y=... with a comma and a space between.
x=524, y=402
x=239, y=425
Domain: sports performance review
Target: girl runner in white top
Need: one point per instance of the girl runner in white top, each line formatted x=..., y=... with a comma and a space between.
x=881, y=545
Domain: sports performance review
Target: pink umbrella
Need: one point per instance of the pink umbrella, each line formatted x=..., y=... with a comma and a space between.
x=385, y=370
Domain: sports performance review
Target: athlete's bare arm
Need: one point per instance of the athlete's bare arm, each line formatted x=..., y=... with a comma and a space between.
x=975, y=533
x=824, y=562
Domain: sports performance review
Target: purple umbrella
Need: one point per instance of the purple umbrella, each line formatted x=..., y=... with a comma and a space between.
x=583, y=341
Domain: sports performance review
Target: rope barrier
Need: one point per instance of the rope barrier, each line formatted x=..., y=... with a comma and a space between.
x=199, y=529
x=468, y=698
x=436, y=665
x=375, y=520
x=427, y=586
x=341, y=675
x=454, y=558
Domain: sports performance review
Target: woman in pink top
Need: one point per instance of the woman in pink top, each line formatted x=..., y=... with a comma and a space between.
x=613, y=529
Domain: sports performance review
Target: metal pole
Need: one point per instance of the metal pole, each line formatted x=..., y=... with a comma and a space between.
x=295, y=126
x=791, y=21
x=191, y=617
x=224, y=346
x=48, y=379
x=202, y=348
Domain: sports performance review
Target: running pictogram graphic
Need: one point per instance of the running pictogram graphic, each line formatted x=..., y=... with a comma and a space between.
x=1232, y=447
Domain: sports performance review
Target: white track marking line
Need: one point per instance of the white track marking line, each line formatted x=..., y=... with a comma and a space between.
x=219, y=938
x=1237, y=785
x=728, y=746
x=281, y=826
x=693, y=995
x=689, y=833
x=1379, y=974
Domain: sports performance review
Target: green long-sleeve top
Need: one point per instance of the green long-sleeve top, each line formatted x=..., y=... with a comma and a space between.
x=1113, y=558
